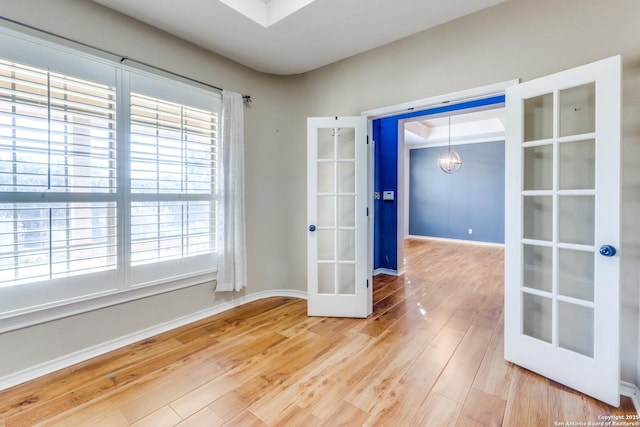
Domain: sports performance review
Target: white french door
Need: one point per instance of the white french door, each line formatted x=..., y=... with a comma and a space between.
x=562, y=291
x=338, y=281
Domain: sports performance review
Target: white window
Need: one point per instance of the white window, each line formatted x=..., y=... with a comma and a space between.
x=58, y=175
x=107, y=179
x=173, y=155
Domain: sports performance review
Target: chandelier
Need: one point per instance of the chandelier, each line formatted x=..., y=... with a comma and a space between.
x=450, y=161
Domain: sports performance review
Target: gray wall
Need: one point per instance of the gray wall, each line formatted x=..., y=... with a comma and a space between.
x=447, y=206
x=517, y=39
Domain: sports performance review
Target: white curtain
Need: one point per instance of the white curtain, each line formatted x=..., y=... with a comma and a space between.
x=232, y=264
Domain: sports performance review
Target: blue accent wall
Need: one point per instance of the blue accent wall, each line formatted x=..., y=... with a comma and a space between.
x=385, y=134
x=442, y=205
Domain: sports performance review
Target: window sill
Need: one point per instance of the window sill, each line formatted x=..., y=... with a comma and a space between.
x=67, y=309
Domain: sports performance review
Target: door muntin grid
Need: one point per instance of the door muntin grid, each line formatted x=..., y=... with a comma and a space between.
x=336, y=211
x=558, y=201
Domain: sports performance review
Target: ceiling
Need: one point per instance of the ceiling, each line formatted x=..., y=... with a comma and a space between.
x=465, y=128
x=294, y=36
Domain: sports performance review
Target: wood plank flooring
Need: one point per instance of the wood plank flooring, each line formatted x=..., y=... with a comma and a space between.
x=430, y=355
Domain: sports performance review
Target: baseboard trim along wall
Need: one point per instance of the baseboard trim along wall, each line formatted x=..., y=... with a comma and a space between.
x=100, y=349
x=464, y=242
x=388, y=271
x=632, y=392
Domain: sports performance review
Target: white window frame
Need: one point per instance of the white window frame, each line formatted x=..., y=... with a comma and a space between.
x=26, y=304
x=157, y=273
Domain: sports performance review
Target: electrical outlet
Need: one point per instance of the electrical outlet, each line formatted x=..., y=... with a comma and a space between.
x=471, y=231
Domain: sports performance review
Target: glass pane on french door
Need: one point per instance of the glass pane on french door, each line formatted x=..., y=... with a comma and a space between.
x=558, y=200
x=336, y=211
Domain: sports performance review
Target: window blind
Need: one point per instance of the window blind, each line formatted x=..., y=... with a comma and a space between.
x=173, y=158
x=57, y=132
x=42, y=241
x=57, y=135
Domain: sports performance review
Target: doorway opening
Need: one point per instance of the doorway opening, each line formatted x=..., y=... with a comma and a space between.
x=467, y=205
x=392, y=170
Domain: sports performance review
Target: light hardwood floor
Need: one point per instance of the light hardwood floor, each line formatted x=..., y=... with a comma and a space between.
x=430, y=355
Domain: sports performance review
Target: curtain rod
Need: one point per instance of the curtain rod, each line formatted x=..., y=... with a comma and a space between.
x=123, y=58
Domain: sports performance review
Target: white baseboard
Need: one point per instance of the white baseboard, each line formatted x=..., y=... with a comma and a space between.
x=632, y=392
x=465, y=242
x=54, y=365
x=386, y=271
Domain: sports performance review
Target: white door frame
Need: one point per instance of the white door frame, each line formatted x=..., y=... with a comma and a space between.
x=401, y=198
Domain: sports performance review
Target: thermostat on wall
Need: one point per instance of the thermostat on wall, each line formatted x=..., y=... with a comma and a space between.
x=387, y=195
